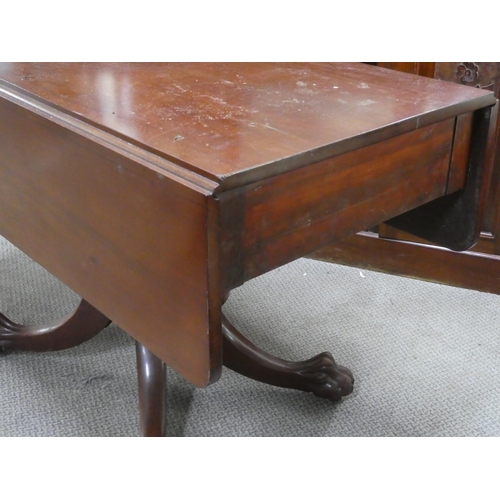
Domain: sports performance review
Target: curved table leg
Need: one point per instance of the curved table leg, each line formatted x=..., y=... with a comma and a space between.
x=81, y=325
x=319, y=375
x=152, y=380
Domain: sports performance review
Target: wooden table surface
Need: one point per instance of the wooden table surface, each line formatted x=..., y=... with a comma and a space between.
x=152, y=190
x=237, y=123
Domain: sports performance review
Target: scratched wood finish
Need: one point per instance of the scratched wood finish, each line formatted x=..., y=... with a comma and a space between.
x=289, y=216
x=118, y=177
x=132, y=241
x=415, y=68
x=240, y=123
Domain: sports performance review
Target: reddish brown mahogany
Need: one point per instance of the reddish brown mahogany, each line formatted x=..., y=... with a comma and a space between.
x=476, y=270
x=319, y=375
x=78, y=327
x=152, y=190
x=152, y=381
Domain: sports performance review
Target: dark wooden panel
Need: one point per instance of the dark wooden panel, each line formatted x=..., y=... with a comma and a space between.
x=292, y=214
x=129, y=239
x=485, y=75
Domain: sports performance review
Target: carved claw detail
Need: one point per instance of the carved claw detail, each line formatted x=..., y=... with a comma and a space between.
x=325, y=379
x=84, y=323
x=319, y=375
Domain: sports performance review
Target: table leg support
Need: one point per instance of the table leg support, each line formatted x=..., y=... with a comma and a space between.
x=81, y=325
x=152, y=382
x=319, y=375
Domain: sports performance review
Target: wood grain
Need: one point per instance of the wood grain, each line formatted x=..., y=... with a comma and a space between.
x=456, y=179
x=445, y=268
x=471, y=270
x=132, y=241
x=84, y=323
x=152, y=189
x=461, y=153
x=273, y=222
x=415, y=68
x=240, y=123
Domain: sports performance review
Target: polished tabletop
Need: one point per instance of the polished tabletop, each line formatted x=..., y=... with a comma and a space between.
x=239, y=122
x=153, y=190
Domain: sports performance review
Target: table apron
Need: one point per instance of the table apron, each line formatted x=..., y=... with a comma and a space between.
x=271, y=223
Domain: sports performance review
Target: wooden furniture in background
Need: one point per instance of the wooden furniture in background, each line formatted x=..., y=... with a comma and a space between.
x=394, y=251
x=153, y=190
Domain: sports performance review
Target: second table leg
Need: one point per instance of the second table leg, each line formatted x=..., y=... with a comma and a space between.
x=152, y=382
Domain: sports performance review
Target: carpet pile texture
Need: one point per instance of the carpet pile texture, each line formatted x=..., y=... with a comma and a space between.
x=425, y=359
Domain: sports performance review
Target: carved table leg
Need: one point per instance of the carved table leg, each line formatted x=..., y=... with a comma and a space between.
x=79, y=326
x=152, y=380
x=319, y=375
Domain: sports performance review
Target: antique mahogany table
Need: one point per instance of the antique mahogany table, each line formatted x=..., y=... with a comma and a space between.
x=152, y=190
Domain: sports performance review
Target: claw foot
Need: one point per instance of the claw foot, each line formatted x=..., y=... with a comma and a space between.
x=319, y=375
x=79, y=326
x=325, y=379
